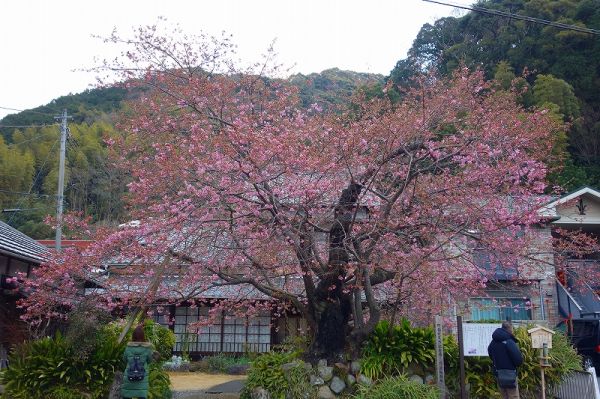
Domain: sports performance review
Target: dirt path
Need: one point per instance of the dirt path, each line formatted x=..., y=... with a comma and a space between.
x=186, y=381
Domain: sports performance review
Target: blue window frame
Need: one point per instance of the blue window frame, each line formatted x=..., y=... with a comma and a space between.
x=500, y=309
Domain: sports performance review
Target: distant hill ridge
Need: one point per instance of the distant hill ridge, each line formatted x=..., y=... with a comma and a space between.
x=87, y=106
x=330, y=87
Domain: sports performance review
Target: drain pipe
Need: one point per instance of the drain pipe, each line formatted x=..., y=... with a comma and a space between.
x=542, y=308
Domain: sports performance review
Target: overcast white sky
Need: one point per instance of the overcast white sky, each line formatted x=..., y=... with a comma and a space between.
x=44, y=42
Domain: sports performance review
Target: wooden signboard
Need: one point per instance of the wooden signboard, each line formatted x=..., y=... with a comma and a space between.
x=541, y=336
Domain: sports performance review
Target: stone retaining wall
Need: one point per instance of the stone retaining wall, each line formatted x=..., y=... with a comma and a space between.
x=334, y=380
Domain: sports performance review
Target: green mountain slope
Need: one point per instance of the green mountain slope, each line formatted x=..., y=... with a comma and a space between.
x=85, y=107
x=561, y=67
x=94, y=187
x=332, y=87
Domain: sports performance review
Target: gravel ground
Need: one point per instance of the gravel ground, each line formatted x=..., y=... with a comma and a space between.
x=186, y=381
x=204, y=395
x=206, y=386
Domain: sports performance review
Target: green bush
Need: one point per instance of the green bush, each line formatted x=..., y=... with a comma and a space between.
x=478, y=372
x=397, y=388
x=266, y=372
x=161, y=337
x=62, y=392
x=294, y=343
x=53, y=365
x=480, y=378
x=563, y=358
x=56, y=368
x=298, y=382
x=221, y=362
x=391, y=350
x=159, y=383
x=199, y=366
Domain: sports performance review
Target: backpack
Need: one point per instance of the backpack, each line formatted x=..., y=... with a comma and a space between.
x=136, y=371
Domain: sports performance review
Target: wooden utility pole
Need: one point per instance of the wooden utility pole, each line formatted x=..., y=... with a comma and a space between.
x=61, y=179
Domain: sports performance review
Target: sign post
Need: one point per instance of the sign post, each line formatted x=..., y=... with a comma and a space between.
x=473, y=340
x=439, y=356
x=461, y=357
x=541, y=338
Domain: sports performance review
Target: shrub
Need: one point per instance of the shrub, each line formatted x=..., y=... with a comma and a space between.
x=478, y=372
x=294, y=343
x=85, y=323
x=397, y=388
x=391, y=350
x=159, y=383
x=53, y=365
x=177, y=363
x=62, y=392
x=221, y=363
x=161, y=337
x=266, y=372
x=563, y=358
x=56, y=368
x=298, y=382
x=480, y=378
x=201, y=366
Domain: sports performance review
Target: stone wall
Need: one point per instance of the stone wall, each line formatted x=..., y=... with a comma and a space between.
x=330, y=381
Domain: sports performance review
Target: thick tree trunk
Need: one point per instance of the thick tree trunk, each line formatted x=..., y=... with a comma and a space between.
x=333, y=310
x=332, y=306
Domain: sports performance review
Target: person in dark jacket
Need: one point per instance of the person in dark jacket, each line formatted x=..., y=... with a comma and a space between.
x=143, y=350
x=505, y=355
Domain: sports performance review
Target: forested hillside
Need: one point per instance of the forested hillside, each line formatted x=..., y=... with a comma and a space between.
x=86, y=107
x=28, y=182
x=332, y=87
x=93, y=186
x=561, y=68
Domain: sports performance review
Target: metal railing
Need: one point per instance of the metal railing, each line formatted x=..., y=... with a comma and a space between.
x=578, y=299
x=566, y=302
x=578, y=385
x=218, y=347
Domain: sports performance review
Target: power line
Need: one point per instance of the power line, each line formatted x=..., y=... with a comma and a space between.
x=24, y=126
x=15, y=210
x=24, y=193
x=506, y=14
x=34, y=180
x=38, y=136
x=28, y=110
x=72, y=141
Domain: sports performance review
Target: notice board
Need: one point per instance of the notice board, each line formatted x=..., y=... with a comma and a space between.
x=477, y=337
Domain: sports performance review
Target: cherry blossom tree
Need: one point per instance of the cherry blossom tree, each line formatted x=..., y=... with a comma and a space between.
x=334, y=214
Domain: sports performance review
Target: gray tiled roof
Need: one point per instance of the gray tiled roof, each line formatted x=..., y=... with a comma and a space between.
x=18, y=245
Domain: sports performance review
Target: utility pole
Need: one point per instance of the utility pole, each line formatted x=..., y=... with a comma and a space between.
x=61, y=179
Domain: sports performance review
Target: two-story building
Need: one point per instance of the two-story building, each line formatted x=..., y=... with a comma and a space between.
x=561, y=286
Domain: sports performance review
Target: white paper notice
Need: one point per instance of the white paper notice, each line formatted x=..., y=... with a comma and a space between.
x=477, y=337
